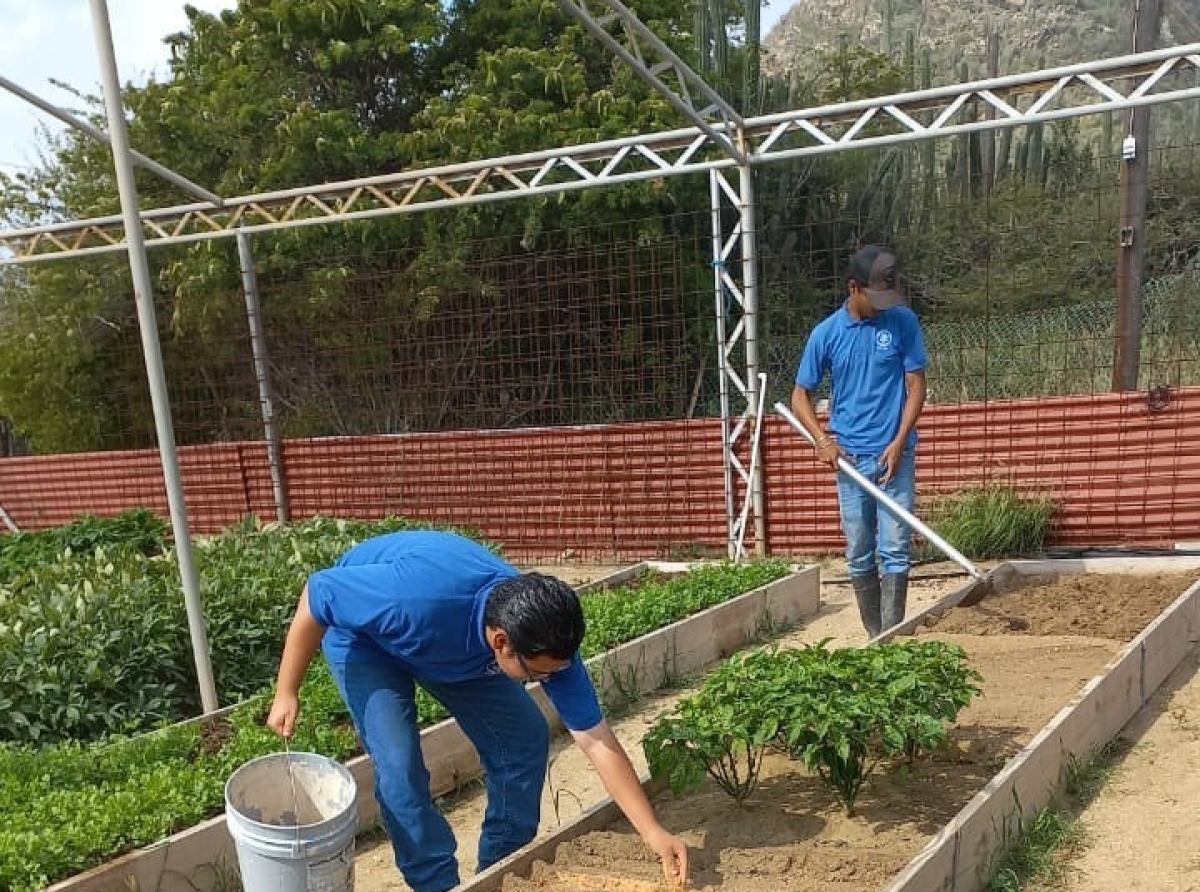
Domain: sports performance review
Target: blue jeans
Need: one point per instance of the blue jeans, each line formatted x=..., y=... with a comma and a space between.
x=500, y=719
x=870, y=528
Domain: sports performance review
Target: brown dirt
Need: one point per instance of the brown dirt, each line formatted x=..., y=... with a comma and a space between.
x=791, y=834
x=1114, y=606
x=1035, y=648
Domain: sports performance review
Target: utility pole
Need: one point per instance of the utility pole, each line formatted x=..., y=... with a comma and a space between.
x=1135, y=167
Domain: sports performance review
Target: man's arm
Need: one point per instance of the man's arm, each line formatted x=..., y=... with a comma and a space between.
x=612, y=763
x=914, y=404
x=303, y=639
x=826, y=446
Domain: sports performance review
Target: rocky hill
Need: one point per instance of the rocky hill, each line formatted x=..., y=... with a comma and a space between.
x=1033, y=33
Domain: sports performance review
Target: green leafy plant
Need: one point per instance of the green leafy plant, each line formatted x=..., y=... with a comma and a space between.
x=838, y=711
x=621, y=614
x=139, y=530
x=721, y=732
x=994, y=521
x=135, y=790
x=927, y=684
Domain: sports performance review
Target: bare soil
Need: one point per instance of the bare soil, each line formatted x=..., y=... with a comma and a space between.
x=1035, y=648
x=1140, y=832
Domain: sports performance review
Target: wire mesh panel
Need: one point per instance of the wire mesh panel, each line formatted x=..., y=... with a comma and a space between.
x=551, y=379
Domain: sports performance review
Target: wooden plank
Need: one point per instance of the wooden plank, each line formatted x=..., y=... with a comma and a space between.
x=932, y=870
x=1165, y=641
x=1103, y=707
x=987, y=824
x=521, y=862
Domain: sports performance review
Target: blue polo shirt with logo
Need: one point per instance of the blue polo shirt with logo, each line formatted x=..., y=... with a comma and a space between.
x=867, y=360
x=417, y=599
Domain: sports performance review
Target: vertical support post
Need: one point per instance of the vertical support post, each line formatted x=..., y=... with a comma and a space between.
x=716, y=185
x=258, y=346
x=152, y=350
x=734, y=334
x=749, y=224
x=1131, y=247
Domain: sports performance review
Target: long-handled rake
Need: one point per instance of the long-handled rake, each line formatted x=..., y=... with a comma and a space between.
x=982, y=583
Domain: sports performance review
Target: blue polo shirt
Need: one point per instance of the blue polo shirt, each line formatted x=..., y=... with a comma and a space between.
x=867, y=360
x=417, y=599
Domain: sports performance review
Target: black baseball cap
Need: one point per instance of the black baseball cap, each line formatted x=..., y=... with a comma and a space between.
x=877, y=272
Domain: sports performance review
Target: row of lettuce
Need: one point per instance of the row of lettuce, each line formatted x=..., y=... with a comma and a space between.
x=95, y=675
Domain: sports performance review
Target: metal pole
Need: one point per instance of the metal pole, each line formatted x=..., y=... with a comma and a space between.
x=1135, y=167
x=897, y=510
x=718, y=262
x=740, y=550
x=258, y=345
x=754, y=393
x=144, y=296
x=101, y=137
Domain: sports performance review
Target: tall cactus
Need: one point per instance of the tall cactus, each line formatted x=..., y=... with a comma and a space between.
x=967, y=167
x=1035, y=153
x=928, y=150
x=752, y=87
x=886, y=36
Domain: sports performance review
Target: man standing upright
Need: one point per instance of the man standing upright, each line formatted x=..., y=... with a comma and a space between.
x=874, y=351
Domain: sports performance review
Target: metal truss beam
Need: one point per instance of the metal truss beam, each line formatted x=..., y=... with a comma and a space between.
x=1123, y=82
x=651, y=59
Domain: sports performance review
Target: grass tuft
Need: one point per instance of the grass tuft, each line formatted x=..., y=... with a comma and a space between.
x=1043, y=852
x=994, y=521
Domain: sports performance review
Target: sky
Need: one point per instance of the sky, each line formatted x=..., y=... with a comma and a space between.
x=53, y=40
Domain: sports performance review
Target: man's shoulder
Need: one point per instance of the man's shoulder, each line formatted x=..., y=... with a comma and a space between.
x=901, y=320
x=835, y=321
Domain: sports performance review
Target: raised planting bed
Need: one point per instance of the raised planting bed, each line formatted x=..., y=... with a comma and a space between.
x=202, y=857
x=1068, y=652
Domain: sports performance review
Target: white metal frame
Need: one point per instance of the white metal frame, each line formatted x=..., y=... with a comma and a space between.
x=1052, y=94
x=719, y=141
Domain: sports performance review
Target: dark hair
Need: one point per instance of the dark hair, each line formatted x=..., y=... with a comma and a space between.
x=540, y=614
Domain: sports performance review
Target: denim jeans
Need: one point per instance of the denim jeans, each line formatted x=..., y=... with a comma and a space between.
x=871, y=529
x=500, y=719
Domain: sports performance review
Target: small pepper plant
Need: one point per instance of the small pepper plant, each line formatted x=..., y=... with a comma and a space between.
x=838, y=711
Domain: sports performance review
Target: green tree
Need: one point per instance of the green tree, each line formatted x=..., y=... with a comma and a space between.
x=278, y=94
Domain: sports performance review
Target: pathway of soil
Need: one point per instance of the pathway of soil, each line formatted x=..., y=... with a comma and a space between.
x=1034, y=648
x=1140, y=832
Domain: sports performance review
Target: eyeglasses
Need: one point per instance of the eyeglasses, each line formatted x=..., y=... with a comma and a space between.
x=532, y=676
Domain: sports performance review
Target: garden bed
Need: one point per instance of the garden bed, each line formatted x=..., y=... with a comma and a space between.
x=202, y=857
x=1068, y=652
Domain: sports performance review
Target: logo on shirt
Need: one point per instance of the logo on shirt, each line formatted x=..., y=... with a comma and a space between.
x=883, y=339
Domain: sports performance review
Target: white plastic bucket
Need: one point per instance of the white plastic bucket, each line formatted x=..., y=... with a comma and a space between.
x=301, y=842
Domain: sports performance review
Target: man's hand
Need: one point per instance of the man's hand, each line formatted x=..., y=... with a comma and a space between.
x=674, y=854
x=890, y=459
x=284, y=712
x=828, y=450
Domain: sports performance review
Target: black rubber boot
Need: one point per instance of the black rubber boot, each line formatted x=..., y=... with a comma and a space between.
x=866, y=592
x=893, y=599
